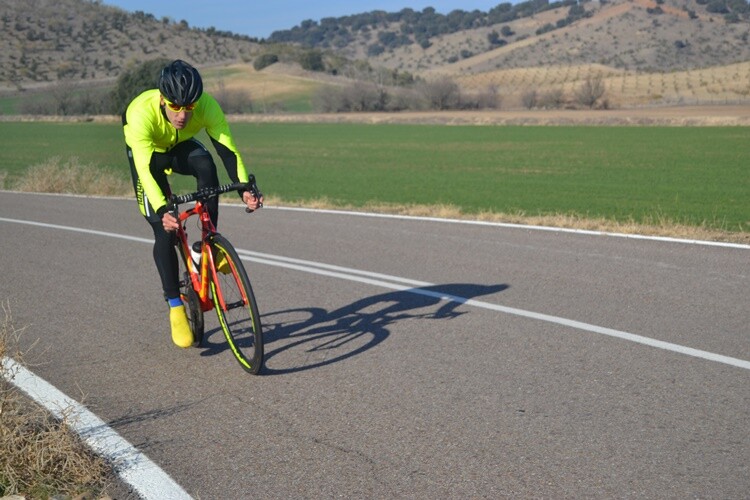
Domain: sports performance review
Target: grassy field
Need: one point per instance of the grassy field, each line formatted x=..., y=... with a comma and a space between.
x=694, y=176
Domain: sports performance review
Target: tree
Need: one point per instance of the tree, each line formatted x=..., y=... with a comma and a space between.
x=232, y=100
x=134, y=81
x=530, y=99
x=312, y=60
x=441, y=94
x=590, y=91
x=506, y=31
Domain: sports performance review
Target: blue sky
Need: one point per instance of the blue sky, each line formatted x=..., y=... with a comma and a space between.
x=260, y=19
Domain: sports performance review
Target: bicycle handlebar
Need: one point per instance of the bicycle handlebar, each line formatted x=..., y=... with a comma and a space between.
x=212, y=192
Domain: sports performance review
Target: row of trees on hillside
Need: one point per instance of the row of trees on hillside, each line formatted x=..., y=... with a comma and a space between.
x=387, y=31
x=415, y=26
x=67, y=98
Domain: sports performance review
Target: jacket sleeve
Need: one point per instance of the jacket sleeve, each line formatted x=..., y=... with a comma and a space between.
x=218, y=130
x=138, y=136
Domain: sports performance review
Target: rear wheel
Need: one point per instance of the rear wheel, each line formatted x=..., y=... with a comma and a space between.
x=190, y=298
x=236, y=307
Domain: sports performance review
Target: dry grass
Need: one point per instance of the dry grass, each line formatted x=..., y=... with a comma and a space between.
x=56, y=176
x=39, y=456
x=274, y=83
x=657, y=226
x=73, y=177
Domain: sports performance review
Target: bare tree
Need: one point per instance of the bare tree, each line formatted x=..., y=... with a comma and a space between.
x=233, y=100
x=590, y=91
x=554, y=99
x=441, y=94
x=530, y=99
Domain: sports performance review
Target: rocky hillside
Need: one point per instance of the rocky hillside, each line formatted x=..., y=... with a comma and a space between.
x=47, y=40
x=83, y=40
x=643, y=35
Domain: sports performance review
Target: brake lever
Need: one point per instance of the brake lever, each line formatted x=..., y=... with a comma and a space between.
x=257, y=194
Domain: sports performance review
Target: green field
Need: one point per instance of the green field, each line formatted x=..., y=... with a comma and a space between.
x=688, y=175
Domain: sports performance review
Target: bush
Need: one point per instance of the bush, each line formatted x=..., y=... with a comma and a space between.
x=264, y=61
x=66, y=98
x=357, y=97
x=312, y=60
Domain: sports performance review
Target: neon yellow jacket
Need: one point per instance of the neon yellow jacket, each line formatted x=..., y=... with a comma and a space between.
x=147, y=130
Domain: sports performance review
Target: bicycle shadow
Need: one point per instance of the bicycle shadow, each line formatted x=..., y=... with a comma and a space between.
x=307, y=338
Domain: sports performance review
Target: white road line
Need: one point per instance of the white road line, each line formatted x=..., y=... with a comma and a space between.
x=135, y=468
x=391, y=282
x=516, y=226
x=151, y=482
x=369, y=278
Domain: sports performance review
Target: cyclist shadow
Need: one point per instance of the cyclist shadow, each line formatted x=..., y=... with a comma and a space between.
x=307, y=338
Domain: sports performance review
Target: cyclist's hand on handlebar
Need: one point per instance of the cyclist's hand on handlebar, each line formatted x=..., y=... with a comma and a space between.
x=253, y=199
x=169, y=221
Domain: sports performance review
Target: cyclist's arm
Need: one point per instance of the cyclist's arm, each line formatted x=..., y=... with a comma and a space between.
x=231, y=161
x=218, y=130
x=140, y=131
x=142, y=149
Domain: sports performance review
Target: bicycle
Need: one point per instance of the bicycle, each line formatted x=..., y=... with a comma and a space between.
x=227, y=290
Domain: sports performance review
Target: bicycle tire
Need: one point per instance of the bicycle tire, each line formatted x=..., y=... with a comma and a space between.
x=240, y=320
x=190, y=298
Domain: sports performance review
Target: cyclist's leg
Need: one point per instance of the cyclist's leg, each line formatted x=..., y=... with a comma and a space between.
x=192, y=158
x=165, y=256
x=164, y=253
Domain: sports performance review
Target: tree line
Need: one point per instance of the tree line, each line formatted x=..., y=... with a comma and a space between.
x=415, y=26
x=370, y=90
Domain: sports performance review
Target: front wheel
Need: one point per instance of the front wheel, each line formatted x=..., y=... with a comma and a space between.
x=236, y=307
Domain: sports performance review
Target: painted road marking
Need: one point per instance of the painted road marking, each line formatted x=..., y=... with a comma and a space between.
x=376, y=279
x=392, y=282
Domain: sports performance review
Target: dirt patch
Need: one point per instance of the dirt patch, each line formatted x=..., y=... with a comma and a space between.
x=682, y=116
x=726, y=115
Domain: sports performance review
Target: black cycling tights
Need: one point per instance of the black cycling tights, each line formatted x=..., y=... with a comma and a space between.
x=187, y=158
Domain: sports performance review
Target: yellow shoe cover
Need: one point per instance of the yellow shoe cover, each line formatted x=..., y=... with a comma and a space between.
x=221, y=263
x=181, y=333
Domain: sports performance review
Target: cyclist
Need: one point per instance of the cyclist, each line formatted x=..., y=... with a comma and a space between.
x=159, y=126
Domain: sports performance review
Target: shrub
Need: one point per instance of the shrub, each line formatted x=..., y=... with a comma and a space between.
x=312, y=60
x=264, y=61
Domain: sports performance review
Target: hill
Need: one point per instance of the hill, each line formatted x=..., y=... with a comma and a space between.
x=644, y=51
x=642, y=35
x=48, y=40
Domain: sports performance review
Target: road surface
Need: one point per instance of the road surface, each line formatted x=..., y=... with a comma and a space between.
x=405, y=358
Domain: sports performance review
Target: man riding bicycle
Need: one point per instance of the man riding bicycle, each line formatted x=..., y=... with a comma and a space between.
x=159, y=126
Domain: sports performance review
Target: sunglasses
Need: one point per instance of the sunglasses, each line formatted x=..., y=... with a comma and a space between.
x=177, y=108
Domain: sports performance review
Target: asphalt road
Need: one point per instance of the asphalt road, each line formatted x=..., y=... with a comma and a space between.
x=555, y=365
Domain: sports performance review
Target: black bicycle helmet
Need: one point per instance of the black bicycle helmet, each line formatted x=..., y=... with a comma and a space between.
x=180, y=83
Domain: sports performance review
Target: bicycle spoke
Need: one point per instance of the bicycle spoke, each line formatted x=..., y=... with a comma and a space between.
x=237, y=310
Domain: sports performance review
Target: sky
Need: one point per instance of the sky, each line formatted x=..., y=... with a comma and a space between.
x=261, y=18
